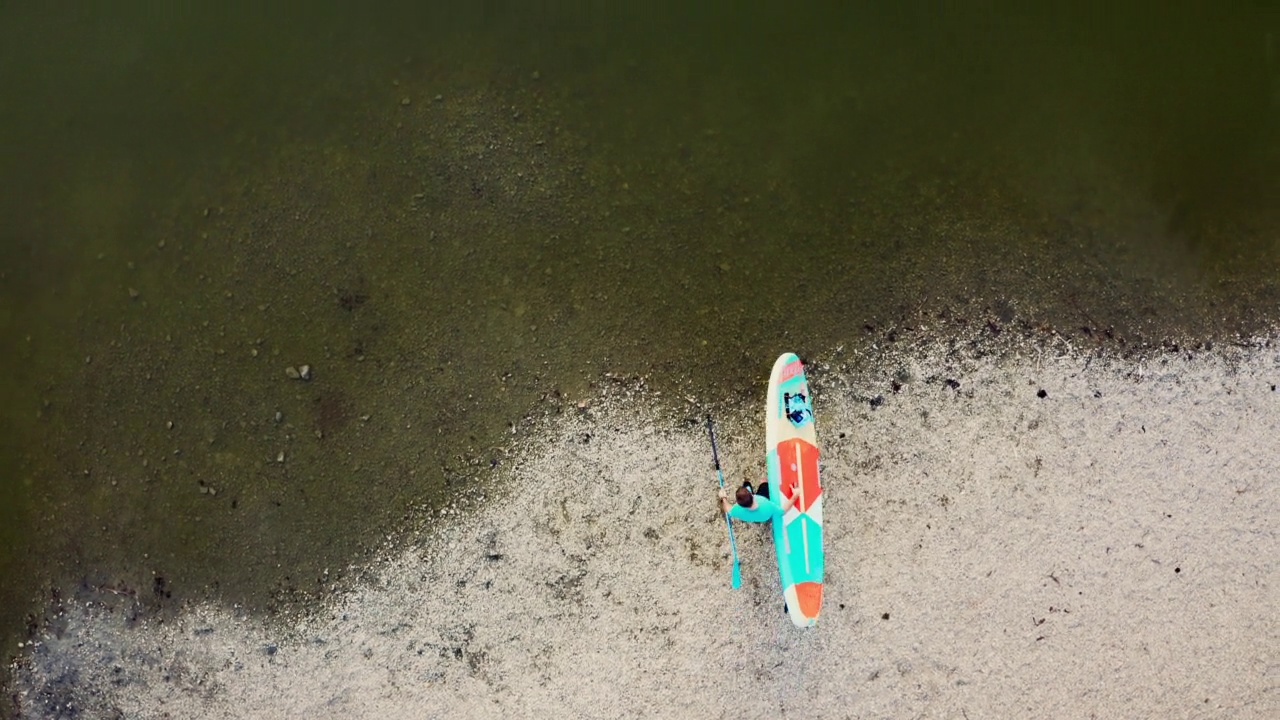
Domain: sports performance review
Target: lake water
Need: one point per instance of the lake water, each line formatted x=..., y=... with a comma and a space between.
x=465, y=219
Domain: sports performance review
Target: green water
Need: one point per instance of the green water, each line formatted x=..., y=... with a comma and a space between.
x=463, y=216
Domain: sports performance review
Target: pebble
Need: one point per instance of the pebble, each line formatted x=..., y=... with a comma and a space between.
x=405, y=101
x=279, y=416
x=304, y=372
x=133, y=294
x=280, y=457
x=292, y=372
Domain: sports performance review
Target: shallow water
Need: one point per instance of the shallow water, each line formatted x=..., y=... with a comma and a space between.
x=197, y=199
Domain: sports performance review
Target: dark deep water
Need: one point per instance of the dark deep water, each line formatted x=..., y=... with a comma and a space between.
x=458, y=217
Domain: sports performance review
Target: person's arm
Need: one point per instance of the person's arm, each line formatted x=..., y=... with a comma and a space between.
x=789, y=502
x=724, y=502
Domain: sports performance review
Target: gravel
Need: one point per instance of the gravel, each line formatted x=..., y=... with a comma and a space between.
x=1107, y=547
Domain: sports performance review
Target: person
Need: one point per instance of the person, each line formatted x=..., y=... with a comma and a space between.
x=757, y=507
x=754, y=506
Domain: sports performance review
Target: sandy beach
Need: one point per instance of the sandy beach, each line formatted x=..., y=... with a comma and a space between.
x=1025, y=531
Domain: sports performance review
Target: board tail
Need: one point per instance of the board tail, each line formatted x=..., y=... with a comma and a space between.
x=804, y=602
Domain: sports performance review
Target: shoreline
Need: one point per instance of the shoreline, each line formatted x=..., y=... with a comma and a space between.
x=1108, y=546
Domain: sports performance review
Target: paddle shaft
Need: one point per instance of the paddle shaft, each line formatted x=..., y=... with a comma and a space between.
x=733, y=545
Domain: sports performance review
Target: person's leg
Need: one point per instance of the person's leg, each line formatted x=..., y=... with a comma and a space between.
x=763, y=490
x=747, y=484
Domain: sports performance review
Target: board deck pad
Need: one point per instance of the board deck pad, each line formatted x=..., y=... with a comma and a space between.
x=791, y=444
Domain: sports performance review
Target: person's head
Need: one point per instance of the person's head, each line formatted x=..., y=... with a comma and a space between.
x=744, y=497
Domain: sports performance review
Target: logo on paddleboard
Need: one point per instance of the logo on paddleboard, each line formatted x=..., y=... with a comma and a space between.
x=792, y=369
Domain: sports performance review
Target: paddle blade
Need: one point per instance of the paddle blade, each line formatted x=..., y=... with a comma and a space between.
x=737, y=577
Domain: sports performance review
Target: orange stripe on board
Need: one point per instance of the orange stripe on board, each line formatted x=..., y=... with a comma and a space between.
x=790, y=470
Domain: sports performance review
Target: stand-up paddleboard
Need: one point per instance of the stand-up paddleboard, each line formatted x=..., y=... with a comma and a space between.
x=792, y=446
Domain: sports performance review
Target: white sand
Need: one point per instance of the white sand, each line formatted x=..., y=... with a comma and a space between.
x=1110, y=550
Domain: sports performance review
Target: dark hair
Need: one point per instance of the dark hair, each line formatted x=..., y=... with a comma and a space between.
x=743, y=497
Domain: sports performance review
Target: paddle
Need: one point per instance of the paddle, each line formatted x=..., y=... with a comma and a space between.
x=737, y=574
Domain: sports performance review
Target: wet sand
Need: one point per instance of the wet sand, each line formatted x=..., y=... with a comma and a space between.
x=1018, y=530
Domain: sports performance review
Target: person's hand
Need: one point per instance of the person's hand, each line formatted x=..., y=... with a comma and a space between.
x=723, y=494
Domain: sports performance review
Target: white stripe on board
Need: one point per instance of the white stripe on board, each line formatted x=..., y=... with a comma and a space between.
x=804, y=526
